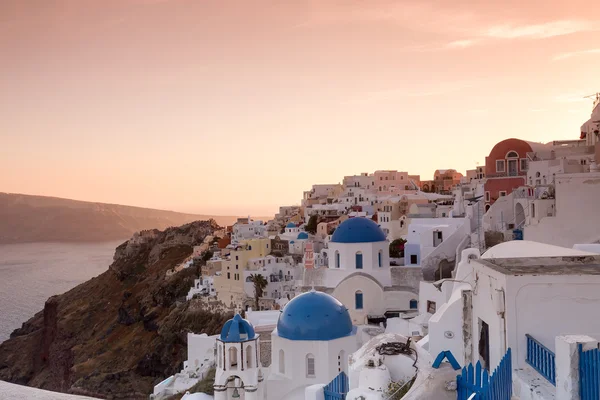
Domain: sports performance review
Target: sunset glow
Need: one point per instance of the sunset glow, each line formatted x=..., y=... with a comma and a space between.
x=236, y=107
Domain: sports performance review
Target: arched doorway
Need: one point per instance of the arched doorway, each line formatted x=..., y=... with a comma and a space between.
x=519, y=215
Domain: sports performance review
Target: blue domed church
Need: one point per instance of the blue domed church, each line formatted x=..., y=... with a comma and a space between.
x=238, y=371
x=358, y=272
x=310, y=345
x=309, y=348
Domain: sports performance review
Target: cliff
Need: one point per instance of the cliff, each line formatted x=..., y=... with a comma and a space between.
x=118, y=334
x=49, y=219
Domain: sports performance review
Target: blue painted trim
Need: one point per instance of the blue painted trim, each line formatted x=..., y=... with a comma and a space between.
x=446, y=355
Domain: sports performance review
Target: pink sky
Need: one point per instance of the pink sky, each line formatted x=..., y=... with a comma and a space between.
x=236, y=107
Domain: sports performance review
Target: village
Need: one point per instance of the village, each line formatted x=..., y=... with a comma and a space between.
x=482, y=285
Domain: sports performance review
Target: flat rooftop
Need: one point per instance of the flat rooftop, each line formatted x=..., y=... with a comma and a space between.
x=557, y=265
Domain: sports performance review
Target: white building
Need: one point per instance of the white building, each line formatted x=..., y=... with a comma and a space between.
x=358, y=272
x=308, y=353
x=201, y=358
x=281, y=273
x=203, y=286
x=432, y=244
x=248, y=230
x=238, y=372
x=516, y=295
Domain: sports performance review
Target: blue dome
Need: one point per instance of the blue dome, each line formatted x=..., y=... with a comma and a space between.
x=290, y=225
x=302, y=235
x=237, y=329
x=314, y=316
x=358, y=230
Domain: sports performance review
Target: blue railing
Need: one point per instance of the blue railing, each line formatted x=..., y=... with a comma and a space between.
x=541, y=359
x=589, y=374
x=476, y=381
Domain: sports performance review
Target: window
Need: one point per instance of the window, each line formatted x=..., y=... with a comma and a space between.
x=500, y=167
x=487, y=197
x=337, y=259
x=249, y=247
x=358, y=300
x=237, y=266
x=233, y=357
x=249, y=357
x=359, y=260
x=281, y=362
x=532, y=210
x=237, y=257
x=502, y=193
x=512, y=154
x=310, y=366
x=220, y=357
x=523, y=165
x=431, y=307
x=379, y=255
x=413, y=259
x=229, y=275
x=413, y=304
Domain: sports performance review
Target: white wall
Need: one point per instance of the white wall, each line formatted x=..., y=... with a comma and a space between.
x=500, y=214
x=369, y=252
x=373, y=300
x=577, y=217
x=200, y=350
x=550, y=306
x=295, y=352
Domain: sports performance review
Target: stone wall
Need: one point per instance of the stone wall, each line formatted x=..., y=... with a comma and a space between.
x=265, y=353
x=407, y=276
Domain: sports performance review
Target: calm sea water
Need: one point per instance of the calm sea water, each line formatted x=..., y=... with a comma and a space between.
x=32, y=272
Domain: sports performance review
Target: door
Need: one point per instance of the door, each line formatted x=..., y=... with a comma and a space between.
x=484, y=344
x=437, y=238
x=512, y=167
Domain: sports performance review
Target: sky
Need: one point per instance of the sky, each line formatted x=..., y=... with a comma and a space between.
x=232, y=107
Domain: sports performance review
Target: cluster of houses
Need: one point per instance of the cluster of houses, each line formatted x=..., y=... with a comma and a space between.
x=492, y=290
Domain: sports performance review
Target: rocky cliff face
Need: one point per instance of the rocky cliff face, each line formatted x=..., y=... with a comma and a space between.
x=120, y=333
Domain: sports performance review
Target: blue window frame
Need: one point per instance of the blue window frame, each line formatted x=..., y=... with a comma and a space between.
x=379, y=258
x=337, y=259
x=413, y=304
x=358, y=300
x=359, y=263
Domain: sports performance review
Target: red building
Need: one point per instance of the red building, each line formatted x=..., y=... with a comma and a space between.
x=506, y=168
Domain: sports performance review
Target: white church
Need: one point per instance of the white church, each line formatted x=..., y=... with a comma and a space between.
x=310, y=346
x=358, y=272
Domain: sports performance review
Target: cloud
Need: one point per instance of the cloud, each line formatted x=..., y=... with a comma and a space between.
x=392, y=95
x=462, y=44
x=564, y=56
x=534, y=31
x=541, y=31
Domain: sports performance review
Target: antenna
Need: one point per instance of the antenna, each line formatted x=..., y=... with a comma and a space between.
x=595, y=97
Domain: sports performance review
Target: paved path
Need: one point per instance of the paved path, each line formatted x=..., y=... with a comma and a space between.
x=18, y=392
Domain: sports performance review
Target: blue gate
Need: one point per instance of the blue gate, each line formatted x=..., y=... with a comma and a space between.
x=337, y=388
x=589, y=374
x=477, y=381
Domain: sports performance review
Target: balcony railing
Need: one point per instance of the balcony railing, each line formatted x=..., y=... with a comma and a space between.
x=541, y=359
x=510, y=174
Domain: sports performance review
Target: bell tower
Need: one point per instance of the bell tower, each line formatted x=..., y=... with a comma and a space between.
x=238, y=374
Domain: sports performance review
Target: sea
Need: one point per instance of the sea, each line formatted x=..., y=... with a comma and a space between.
x=32, y=272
